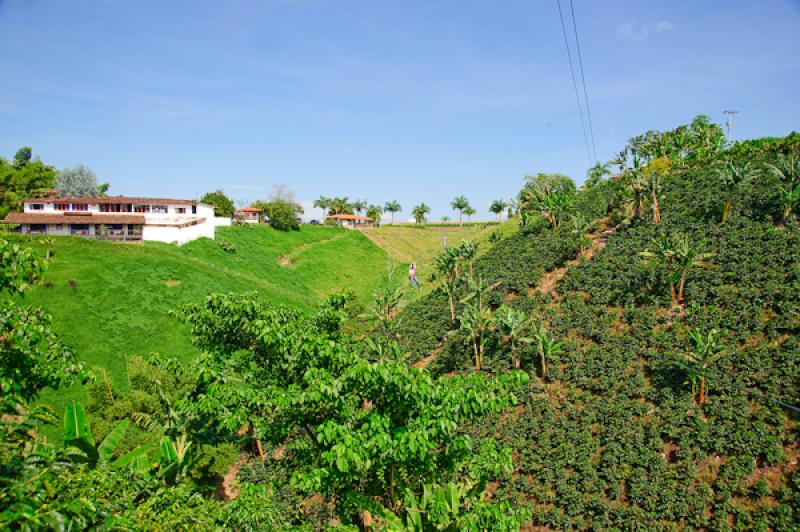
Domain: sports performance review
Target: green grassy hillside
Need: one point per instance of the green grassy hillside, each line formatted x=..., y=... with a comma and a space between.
x=421, y=244
x=111, y=301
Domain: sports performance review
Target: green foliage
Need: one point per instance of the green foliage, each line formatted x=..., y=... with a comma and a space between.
x=419, y=212
x=283, y=214
x=77, y=181
x=24, y=178
x=223, y=205
x=302, y=385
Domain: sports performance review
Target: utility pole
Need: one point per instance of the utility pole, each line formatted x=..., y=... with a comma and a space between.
x=729, y=121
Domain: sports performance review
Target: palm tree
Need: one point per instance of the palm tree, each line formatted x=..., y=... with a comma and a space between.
x=497, y=207
x=595, y=174
x=460, y=204
x=469, y=211
x=359, y=205
x=340, y=206
x=375, y=212
x=392, y=207
x=731, y=176
x=419, y=212
x=511, y=322
x=706, y=350
x=323, y=203
x=546, y=346
x=787, y=171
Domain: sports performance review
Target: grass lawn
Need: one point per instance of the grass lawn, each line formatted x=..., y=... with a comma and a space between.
x=407, y=243
x=110, y=301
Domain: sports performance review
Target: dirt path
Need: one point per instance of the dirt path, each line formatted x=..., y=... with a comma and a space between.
x=550, y=279
x=228, y=490
x=290, y=258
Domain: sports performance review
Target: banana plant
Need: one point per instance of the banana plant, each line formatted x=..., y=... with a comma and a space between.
x=511, y=323
x=731, y=176
x=706, y=350
x=786, y=169
x=78, y=435
x=546, y=346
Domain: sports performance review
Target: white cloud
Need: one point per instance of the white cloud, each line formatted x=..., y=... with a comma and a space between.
x=634, y=31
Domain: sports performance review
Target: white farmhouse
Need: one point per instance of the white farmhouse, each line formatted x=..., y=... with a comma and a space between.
x=118, y=218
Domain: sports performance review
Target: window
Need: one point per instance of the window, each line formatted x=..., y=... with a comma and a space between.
x=115, y=207
x=80, y=207
x=62, y=206
x=141, y=208
x=37, y=206
x=180, y=210
x=38, y=228
x=160, y=209
x=194, y=209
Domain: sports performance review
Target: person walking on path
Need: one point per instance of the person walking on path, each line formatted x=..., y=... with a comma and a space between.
x=412, y=275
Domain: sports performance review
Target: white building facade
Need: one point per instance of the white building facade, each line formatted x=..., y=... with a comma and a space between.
x=118, y=218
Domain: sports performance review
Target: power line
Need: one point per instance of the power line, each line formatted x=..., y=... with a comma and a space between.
x=574, y=82
x=583, y=78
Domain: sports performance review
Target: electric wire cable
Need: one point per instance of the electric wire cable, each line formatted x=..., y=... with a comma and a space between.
x=574, y=82
x=583, y=79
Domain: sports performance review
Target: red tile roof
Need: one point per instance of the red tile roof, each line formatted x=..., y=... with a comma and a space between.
x=113, y=200
x=349, y=217
x=248, y=209
x=72, y=218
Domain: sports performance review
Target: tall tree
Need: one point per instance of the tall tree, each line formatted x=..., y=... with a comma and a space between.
x=419, y=212
x=323, y=203
x=392, y=207
x=497, y=207
x=340, y=206
x=25, y=178
x=460, y=204
x=78, y=181
x=595, y=174
x=223, y=206
x=359, y=205
x=470, y=212
x=22, y=157
x=374, y=212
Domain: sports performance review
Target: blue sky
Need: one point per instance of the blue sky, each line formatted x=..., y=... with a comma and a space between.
x=414, y=101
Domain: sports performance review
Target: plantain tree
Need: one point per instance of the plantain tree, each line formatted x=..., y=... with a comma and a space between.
x=786, y=169
x=511, y=323
x=705, y=351
x=476, y=321
x=679, y=256
x=546, y=346
x=731, y=175
x=497, y=207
